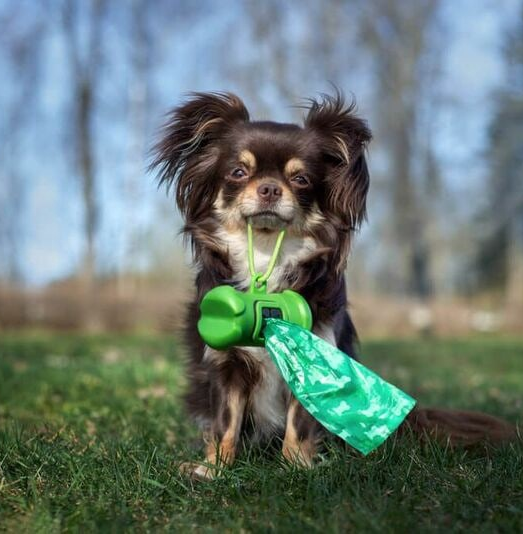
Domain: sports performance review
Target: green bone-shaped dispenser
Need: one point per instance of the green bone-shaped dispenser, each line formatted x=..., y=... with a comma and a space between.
x=235, y=318
x=232, y=318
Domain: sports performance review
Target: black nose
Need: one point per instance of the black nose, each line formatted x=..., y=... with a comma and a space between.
x=269, y=191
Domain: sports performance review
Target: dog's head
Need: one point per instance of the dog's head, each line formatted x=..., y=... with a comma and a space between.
x=277, y=175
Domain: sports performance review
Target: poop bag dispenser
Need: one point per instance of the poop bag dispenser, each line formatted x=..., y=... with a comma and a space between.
x=232, y=318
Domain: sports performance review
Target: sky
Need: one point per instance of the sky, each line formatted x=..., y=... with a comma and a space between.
x=472, y=71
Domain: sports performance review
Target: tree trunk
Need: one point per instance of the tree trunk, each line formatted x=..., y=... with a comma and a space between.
x=514, y=286
x=396, y=35
x=85, y=146
x=138, y=93
x=85, y=66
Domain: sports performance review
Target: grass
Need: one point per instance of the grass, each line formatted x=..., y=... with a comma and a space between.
x=92, y=432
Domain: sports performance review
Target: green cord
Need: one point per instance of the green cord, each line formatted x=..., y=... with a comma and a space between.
x=259, y=278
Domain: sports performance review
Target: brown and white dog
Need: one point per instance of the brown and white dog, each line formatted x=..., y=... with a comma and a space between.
x=312, y=180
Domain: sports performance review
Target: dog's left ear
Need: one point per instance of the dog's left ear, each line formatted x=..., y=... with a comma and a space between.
x=344, y=138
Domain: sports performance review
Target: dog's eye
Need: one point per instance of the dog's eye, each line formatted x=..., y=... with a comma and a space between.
x=238, y=174
x=300, y=181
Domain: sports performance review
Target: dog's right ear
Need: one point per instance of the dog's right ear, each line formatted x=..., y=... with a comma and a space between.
x=187, y=152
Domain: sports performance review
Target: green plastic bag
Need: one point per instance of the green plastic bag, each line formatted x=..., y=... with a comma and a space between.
x=344, y=396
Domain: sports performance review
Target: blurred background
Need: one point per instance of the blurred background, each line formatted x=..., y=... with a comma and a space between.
x=87, y=241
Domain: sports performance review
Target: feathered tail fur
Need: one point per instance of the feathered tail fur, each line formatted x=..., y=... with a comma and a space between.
x=459, y=427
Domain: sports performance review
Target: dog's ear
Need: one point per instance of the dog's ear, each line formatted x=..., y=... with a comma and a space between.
x=344, y=138
x=187, y=153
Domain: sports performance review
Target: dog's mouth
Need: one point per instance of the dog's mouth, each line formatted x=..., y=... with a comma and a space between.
x=268, y=220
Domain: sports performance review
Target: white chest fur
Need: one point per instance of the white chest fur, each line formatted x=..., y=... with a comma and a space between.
x=267, y=403
x=294, y=249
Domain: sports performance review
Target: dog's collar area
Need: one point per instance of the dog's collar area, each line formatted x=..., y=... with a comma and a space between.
x=259, y=280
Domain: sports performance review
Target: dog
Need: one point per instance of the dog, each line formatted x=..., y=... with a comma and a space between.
x=310, y=179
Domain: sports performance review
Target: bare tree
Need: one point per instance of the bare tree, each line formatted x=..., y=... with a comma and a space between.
x=500, y=257
x=139, y=40
x=83, y=31
x=396, y=34
x=85, y=55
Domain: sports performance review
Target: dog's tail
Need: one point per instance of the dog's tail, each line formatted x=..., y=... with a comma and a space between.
x=458, y=427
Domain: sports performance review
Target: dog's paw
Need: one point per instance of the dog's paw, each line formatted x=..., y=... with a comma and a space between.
x=198, y=471
x=296, y=457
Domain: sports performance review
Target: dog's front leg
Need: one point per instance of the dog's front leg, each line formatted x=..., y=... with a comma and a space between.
x=231, y=375
x=222, y=439
x=301, y=435
x=302, y=431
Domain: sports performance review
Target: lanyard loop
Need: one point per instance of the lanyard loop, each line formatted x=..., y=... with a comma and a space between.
x=259, y=280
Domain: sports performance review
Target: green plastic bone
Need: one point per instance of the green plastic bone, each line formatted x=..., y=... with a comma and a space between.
x=231, y=318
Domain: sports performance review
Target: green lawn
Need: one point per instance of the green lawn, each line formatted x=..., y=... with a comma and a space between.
x=92, y=431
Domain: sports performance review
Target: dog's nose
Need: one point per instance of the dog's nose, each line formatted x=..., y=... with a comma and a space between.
x=269, y=191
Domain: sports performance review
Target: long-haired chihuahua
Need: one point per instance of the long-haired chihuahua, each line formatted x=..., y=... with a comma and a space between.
x=311, y=179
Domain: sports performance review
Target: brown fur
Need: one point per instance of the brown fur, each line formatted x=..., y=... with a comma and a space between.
x=458, y=427
x=300, y=440
x=217, y=159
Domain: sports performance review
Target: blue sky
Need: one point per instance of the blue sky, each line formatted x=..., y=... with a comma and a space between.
x=472, y=71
